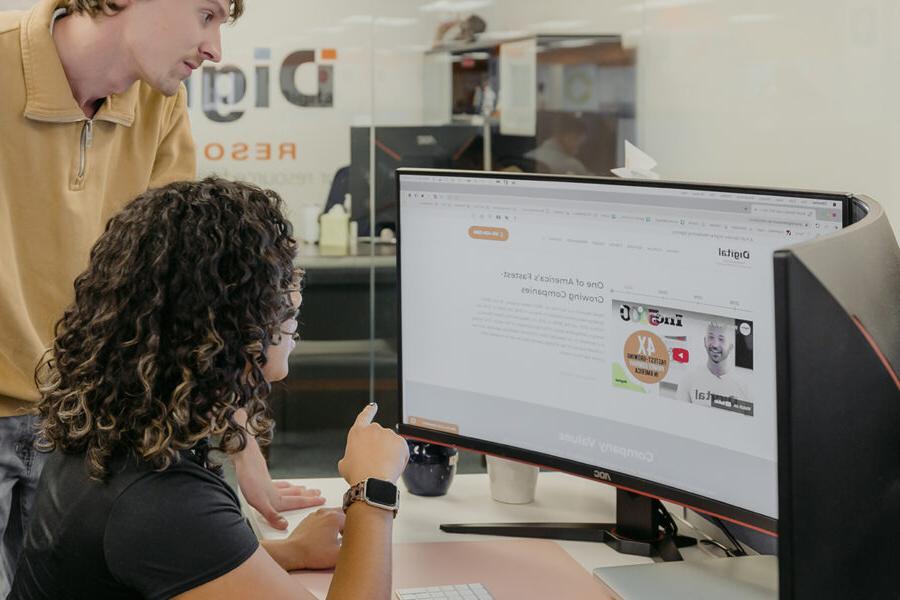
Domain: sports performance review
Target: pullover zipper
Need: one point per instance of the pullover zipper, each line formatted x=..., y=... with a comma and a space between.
x=87, y=136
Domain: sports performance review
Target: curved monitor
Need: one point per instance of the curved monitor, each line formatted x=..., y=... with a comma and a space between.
x=838, y=327
x=618, y=330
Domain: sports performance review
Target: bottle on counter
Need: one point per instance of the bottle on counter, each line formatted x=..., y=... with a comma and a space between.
x=334, y=231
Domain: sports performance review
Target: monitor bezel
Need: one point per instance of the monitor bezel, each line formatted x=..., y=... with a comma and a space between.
x=701, y=504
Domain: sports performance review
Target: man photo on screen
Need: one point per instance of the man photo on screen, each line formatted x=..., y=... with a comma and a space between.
x=713, y=384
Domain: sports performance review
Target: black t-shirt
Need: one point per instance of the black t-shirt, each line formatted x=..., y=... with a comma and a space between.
x=140, y=534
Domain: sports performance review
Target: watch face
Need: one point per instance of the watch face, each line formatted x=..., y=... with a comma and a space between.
x=382, y=492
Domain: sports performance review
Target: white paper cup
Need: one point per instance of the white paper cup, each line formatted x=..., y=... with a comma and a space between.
x=309, y=224
x=511, y=482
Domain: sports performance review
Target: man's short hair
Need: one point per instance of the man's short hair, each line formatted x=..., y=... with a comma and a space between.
x=710, y=325
x=111, y=7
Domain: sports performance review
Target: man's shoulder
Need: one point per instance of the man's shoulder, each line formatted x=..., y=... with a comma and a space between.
x=10, y=21
x=10, y=44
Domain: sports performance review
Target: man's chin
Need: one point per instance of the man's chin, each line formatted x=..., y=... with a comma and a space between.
x=169, y=92
x=167, y=88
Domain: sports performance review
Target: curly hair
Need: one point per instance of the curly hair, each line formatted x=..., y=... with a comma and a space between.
x=185, y=291
x=110, y=7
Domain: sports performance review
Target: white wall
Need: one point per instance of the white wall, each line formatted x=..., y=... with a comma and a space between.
x=800, y=93
x=805, y=98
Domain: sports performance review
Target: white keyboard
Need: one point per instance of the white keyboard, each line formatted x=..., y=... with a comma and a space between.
x=462, y=591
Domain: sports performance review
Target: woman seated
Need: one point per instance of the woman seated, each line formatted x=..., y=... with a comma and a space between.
x=185, y=315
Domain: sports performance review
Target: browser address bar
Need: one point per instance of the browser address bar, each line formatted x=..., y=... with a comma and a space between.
x=782, y=211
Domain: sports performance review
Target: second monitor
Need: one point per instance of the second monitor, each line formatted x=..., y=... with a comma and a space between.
x=448, y=146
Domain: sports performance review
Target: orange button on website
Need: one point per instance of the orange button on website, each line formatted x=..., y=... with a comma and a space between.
x=498, y=234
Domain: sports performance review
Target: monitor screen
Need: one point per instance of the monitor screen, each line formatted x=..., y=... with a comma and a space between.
x=615, y=329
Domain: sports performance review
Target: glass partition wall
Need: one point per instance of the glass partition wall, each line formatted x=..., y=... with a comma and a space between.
x=284, y=110
x=323, y=102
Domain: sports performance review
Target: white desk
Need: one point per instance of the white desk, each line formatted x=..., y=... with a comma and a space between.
x=559, y=497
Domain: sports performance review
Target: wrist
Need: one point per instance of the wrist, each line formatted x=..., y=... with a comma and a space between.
x=381, y=476
x=377, y=493
x=289, y=554
x=361, y=510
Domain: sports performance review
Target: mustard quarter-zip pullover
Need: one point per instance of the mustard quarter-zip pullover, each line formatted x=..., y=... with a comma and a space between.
x=62, y=176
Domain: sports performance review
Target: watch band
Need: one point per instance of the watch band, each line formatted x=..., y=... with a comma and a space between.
x=356, y=493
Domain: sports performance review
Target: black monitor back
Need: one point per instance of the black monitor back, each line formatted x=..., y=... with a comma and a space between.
x=434, y=147
x=838, y=352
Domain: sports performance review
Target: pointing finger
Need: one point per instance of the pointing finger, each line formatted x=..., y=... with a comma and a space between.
x=366, y=415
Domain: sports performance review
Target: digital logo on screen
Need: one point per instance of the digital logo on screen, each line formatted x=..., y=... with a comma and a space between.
x=734, y=255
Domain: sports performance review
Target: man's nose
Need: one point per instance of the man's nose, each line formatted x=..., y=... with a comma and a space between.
x=211, y=49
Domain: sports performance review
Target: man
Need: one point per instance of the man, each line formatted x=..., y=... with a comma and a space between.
x=93, y=114
x=713, y=385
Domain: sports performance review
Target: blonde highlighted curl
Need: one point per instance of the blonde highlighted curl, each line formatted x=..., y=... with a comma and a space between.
x=166, y=339
x=111, y=7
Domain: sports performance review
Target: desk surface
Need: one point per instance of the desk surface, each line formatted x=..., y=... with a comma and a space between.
x=559, y=497
x=419, y=554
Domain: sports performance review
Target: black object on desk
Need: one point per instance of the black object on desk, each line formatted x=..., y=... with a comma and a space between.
x=643, y=527
x=430, y=469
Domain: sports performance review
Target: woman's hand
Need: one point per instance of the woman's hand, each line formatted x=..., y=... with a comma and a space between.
x=372, y=450
x=316, y=539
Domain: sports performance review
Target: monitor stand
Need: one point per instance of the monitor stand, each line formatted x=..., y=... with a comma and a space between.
x=643, y=527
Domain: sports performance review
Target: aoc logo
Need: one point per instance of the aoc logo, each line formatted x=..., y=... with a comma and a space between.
x=602, y=476
x=734, y=255
x=223, y=88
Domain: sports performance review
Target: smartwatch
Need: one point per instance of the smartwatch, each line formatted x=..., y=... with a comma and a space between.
x=374, y=492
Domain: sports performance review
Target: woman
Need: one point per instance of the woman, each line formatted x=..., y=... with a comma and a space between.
x=185, y=315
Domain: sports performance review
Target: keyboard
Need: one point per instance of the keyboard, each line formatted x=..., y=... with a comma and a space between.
x=462, y=591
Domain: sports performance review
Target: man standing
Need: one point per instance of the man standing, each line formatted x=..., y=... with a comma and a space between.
x=93, y=113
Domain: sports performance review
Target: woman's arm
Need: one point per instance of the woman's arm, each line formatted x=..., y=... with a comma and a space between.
x=364, y=562
x=258, y=577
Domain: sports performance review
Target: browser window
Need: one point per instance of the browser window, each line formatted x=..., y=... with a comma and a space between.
x=626, y=327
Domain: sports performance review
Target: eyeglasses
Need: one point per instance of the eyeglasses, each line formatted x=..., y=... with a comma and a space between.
x=294, y=335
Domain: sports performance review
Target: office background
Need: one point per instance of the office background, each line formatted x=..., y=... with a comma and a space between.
x=758, y=92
